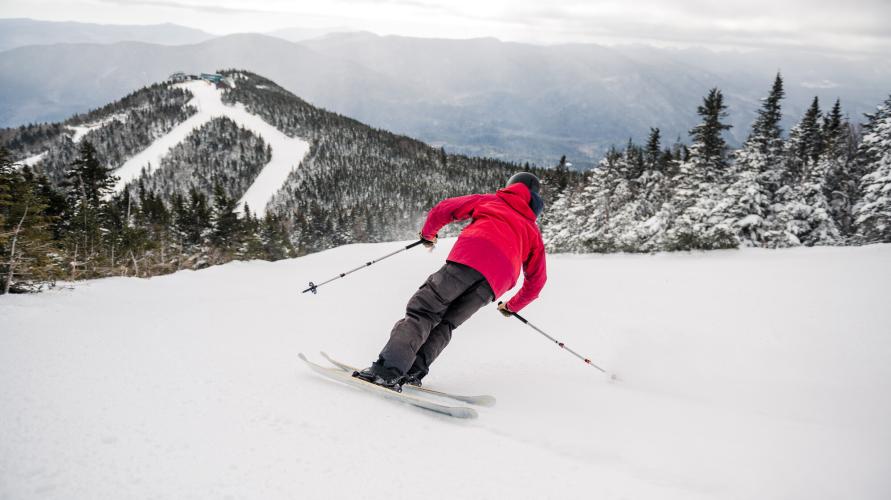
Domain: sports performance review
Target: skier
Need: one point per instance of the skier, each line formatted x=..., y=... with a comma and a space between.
x=484, y=263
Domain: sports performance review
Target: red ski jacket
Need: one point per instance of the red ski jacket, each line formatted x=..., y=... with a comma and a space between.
x=502, y=237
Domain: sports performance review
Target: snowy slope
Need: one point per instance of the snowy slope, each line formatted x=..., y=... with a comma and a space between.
x=747, y=374
x=287, y=152
x=79, y=131
x=32, y=160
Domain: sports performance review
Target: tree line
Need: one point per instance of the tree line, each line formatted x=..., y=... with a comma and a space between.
x=826, y=183
x=82, y=229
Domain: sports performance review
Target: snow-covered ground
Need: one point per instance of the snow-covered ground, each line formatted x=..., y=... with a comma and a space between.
x=81, y=130
x=32, y=160
x=287, y=152
x=747, y=374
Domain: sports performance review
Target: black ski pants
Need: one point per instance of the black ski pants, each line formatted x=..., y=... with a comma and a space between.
x=448, y=298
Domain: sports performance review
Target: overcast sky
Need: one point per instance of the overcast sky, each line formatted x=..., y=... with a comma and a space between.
x=857, y=26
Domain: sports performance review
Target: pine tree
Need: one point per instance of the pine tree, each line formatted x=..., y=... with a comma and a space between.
x=581, y=218
x=806, y=139
x=192, y=218
x=226, y=225
x=708, y=142
x=743, y=208
x=88, y=184
x=801, y=214
x=766, y=135
x=653, y=149
x=872, y=214
x=26, y=245
x=698, y=184
x=840, y=163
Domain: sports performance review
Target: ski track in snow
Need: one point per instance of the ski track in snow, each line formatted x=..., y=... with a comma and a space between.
x=752, y=374
x=287, y=152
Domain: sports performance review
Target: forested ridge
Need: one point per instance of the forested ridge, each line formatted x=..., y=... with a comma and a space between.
x=825, y=182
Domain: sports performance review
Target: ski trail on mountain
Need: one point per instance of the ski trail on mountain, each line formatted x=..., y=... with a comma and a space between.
x=287, y=152
x=80, y=131
x=32, y=160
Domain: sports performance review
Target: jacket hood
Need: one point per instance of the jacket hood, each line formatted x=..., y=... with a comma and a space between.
x=518, y=197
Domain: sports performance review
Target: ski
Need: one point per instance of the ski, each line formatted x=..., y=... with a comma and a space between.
x=340, y=375
x=482, y=400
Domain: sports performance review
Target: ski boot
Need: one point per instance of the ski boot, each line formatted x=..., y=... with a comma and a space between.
x=413, y=378
x=377, y=374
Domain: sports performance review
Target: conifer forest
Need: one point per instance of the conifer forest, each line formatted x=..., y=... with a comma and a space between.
x=827, y=181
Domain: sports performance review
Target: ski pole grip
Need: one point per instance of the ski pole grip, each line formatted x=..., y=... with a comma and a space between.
x=422, y=240
x=514, y=314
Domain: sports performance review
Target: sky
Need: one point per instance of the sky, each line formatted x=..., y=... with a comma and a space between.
x=853, y=26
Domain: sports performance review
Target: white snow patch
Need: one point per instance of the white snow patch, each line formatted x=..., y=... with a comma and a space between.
x=32, y=160
x=287, y=152
x=81, y=130
x=747, y=374
x=750, y=220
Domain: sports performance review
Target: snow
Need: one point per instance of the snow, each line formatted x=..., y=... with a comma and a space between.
x=32, y=160
x=287, y=152
x=81, y=130
x=746, y=374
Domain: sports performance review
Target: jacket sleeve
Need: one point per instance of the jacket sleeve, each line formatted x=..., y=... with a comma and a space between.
x=451, y=210
x=534, y=277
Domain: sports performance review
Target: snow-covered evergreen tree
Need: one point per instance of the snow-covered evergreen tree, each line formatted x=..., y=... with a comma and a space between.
x=872, y=215
x=801, y=213
x=651, y=205
x=840, y=163
x=698, y=183
x=744, y=205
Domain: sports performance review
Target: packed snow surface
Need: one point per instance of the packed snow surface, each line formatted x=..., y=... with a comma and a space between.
x=287, y=152
x=747, y=374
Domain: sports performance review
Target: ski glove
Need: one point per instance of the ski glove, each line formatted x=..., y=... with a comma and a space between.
x=502, y=308
x=428, y=243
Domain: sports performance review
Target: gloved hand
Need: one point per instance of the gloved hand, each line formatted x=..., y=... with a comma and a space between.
x=428, y=243
x=502, y=308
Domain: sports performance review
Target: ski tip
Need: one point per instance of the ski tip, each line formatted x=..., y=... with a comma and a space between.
x=460, y=412
x=301, y=356
x=484, y=400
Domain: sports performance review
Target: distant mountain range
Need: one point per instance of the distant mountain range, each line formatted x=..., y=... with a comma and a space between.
x=484, y=97
x=22, y=32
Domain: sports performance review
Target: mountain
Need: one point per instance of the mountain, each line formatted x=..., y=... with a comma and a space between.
x=299, y=34
x=73, y=78
x=484, y=97
x=745, y=374
x=21, y=32
x=332, y=179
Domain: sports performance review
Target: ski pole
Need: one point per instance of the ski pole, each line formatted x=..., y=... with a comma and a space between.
x=561, y=344
x=313, y=287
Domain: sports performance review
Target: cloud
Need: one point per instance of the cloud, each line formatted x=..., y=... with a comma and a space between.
x=853, y=26
x=822, y=84
x=198, y=7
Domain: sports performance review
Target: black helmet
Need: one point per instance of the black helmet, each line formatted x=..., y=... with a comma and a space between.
x=530, y=180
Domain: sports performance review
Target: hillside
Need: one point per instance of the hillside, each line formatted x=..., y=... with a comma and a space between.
x=746, y=374
x=168, y=168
